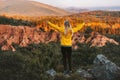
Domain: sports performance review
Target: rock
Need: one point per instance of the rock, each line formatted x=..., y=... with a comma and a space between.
x=104, y=69
x=99, y=40
x=51, y=72
x=94, y=39
x=84, y=74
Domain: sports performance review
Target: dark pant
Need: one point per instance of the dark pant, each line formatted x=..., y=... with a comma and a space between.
x=66, y=53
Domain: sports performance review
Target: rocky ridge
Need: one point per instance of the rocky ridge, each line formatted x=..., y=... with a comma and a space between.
x=24, y=35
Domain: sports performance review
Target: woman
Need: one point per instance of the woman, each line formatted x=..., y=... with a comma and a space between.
x=66, y=33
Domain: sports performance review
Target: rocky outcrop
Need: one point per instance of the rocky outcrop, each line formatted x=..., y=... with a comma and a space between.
x=94, y=39
x=99, y=40
x=24, y=35
x=104, y=69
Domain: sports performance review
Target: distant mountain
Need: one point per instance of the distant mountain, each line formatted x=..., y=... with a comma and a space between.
x=75, y=10
x=78, y=10
x=111, y=8
x=29, y=8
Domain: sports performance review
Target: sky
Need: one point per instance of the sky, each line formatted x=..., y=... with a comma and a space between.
x=81, y=3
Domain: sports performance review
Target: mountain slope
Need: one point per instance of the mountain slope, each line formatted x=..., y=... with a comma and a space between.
x=30, y=8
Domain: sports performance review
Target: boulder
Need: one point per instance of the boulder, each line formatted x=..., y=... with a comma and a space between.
x=104, y=69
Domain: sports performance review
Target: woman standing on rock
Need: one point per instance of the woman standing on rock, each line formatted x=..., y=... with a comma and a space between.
x=66, y=33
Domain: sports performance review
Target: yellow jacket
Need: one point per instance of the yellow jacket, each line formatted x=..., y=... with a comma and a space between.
x=66, y=39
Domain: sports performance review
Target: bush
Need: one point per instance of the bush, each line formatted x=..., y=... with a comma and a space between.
x=31, y=63
x=15, y=22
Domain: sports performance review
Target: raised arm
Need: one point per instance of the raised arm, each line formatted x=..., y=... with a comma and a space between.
x=79, y=27
x=55, y=27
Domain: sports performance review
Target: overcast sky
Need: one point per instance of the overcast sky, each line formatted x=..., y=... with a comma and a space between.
x=81, y=3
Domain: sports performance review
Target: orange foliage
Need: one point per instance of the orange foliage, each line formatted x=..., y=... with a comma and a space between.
x=97, y=20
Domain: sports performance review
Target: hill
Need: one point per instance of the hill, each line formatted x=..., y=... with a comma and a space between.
x=29, y=8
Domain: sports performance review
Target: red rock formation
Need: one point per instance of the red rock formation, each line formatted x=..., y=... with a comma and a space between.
x=99, y=40
x=95, y=39
x=77, y=38
x=24, y=35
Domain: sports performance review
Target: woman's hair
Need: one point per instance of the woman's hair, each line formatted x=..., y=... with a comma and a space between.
x=66, y=23
x=67, y=26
